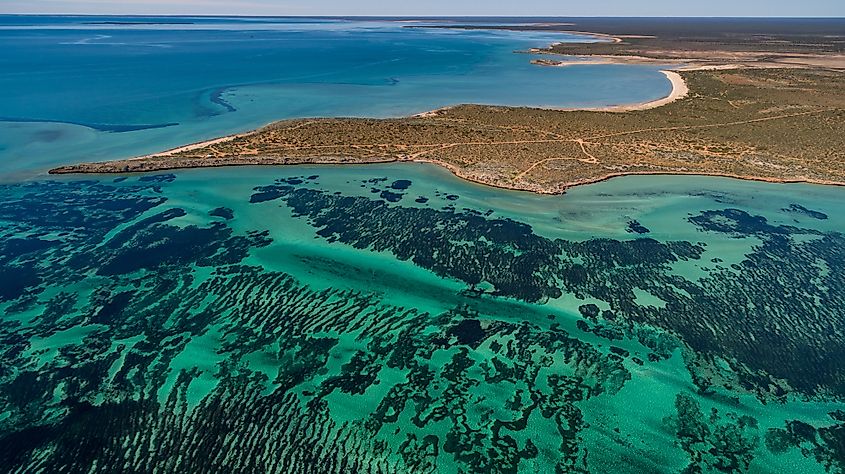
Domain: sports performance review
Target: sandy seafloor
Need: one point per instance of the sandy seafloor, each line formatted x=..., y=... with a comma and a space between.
x=394, y=318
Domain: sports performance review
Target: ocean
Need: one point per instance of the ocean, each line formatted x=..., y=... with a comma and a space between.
x=86, y=88
x=385, y=318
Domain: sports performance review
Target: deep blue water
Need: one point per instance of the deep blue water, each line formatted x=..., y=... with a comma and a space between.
x=93, y=88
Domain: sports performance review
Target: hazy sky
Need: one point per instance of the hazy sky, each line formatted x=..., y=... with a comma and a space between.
x=437, y=7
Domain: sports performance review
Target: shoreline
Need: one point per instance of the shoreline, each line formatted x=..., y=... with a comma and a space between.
x=679, y=90
x=197, y=145
x=558, y=189
x=561, y=188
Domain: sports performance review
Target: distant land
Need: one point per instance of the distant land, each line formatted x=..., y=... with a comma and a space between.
x=752, y=98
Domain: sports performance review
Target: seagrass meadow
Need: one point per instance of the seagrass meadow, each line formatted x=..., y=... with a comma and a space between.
x=393, y=318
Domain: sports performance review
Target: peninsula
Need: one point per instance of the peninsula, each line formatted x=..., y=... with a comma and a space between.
x=771, y=115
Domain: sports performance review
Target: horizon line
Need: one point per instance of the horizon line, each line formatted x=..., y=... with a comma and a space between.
x=223, y=15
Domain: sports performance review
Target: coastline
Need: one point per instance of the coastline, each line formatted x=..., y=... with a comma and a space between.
x=197, y=145
x=554, y=190
x=488, y=176
x=561, y=188
x=679, y=91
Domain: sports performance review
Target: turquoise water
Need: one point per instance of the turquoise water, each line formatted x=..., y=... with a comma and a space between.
x=394, y=318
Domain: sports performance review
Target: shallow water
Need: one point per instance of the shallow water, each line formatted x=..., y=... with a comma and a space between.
x=393, y=318
x=307, y=308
